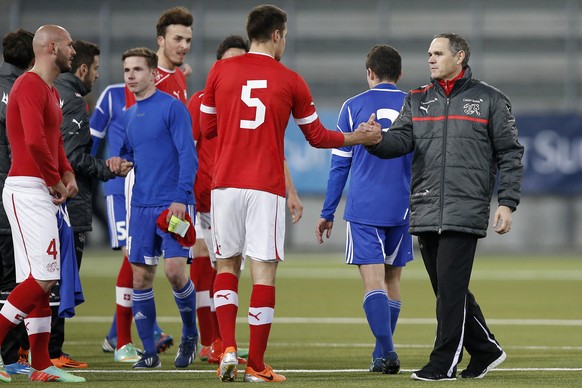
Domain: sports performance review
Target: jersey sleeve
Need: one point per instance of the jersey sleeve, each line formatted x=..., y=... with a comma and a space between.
x=308, y=121
x=32, y=106
x=194, y=109
x=126, y=151
x=208, y=121
x=100, y=119
x=181, y=126
x=341, y=161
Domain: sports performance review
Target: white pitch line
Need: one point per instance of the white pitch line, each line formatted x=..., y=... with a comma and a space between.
x=312, y=370
x=349, y=345
x=355, y=321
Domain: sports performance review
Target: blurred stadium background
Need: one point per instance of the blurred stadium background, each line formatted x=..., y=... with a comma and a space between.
x=530, y=49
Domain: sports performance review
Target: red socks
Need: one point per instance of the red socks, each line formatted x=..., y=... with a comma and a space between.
x=19, y=304
x=203, y=276
x=226, y=303
x=123, y=300
x=38, y=326
x=261, y=310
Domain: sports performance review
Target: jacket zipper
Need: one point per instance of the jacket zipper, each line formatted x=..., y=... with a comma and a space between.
x=442, y=199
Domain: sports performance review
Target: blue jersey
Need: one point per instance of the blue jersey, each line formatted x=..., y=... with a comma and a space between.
x=379, y=190
x=107, y=122
x=159, y=141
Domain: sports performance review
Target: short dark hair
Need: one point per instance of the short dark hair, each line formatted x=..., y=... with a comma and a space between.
x=17, y=48
x=144, y=52
x=456, y=44
x=263, y=20
x=176, y=15
x=385, y=61
x=231, y=41
x=86, y=52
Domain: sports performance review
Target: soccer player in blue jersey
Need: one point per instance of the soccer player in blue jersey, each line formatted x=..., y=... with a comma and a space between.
x=160, y=143
x=107, y=123
x=377, y=204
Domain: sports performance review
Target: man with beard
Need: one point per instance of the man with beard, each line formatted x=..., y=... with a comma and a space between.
x=174, y=32
x=39, y=182
x=72, y=87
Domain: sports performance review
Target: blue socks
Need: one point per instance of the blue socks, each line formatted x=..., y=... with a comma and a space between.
x=113, y=328
x=144, y=315
x=377, y=309
x=186, y=302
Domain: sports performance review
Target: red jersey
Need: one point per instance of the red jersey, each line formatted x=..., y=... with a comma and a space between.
x=33, y=122
x=247, y=103
x=171, y=82
x=206, y=149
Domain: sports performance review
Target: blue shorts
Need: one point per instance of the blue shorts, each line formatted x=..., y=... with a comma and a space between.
x=147, y=243
x=366, y=244
x=116, y=219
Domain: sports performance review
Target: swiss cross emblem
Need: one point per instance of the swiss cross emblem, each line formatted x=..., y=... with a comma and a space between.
x=126, y=297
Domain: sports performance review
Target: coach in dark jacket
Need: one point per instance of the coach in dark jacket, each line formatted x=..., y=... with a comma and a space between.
x=73, y=87
x=463, y=134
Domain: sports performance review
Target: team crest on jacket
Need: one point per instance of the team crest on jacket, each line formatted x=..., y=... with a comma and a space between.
x=472, y=107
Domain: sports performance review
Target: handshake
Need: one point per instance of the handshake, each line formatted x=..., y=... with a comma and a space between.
x=369, y=133
x=119, y=166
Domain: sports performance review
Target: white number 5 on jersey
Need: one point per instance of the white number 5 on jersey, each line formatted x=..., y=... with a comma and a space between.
x=386, y=113
x=253, y=102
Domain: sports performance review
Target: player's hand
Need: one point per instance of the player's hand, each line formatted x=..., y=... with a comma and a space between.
x=323, y=226
x=59, y=193
x=114, y=164
x=125, y=168
x=70, y=183
x=176, y=209
x=295, y=206
x=502, y=220
x=370, y=131
x=119, y=166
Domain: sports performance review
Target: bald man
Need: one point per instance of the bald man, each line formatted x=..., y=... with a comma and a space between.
x=38, y=183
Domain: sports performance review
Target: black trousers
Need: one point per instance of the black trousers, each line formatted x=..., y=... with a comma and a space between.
x=448, y=259
x=57, y=338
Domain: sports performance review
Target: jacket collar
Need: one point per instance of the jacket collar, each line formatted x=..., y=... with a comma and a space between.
x=8, y=70
x=70, y=80
x=458, y=83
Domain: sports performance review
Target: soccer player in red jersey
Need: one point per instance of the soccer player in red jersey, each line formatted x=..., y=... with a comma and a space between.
x=202, y=271
x=246, y=104
x=39, y=181
x=174, y=31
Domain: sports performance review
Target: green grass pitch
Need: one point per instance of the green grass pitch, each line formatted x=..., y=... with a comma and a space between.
x=320, y=337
